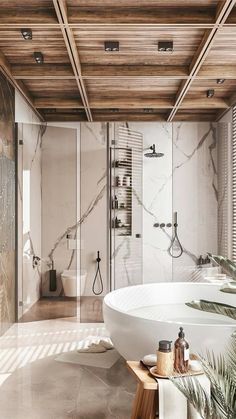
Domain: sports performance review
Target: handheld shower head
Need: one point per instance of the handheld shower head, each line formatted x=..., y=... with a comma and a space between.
x=153, y=153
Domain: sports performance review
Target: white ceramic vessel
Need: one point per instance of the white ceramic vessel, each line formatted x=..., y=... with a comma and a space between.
x=73, y=283
x=138, y=317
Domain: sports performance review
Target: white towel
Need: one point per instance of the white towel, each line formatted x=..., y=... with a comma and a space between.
x=173, y=404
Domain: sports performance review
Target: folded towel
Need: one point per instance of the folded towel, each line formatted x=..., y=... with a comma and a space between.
x=173, y=404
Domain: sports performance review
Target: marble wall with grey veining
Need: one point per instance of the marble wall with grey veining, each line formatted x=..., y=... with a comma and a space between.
x=59, y=202
x=157, y=200
x=183, y=180
x=7, y=205
x=195, y=193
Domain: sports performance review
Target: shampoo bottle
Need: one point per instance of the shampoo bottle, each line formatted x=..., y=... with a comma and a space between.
x=181, y=354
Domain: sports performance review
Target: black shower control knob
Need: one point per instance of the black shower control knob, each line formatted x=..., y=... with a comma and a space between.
x=156, y=225
x=162, y=225
x=168, y=225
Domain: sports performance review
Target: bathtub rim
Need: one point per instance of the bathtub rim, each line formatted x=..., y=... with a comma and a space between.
x=109, y=305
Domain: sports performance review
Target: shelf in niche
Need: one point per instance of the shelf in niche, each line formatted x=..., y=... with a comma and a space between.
x=122, y=209
x=121, y=187
x=119, y=228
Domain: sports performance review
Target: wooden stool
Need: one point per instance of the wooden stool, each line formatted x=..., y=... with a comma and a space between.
x=145, y=402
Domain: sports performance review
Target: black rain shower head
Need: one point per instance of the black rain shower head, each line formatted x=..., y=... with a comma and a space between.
x=153, y=153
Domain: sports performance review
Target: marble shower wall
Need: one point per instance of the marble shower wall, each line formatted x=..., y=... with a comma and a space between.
x=7, y=205
x=183, y=180
x=195, y=194
x=59, y=202
x=29, y=204
x=157, y=200
x=93, y=202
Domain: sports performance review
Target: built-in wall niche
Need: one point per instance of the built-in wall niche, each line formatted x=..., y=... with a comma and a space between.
x=121, y=191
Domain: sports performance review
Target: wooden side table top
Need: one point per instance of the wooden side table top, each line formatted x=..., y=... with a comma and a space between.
x=142, y=375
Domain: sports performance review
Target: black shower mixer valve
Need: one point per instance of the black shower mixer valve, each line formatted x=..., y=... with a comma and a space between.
x=162, y=225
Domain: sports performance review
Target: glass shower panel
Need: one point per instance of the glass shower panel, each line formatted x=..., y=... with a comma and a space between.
x=199, y=194
x=125, y=199
x=93, y=220
x=47, y=221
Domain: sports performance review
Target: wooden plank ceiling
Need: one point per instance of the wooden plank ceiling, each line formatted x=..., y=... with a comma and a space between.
x=80, y=81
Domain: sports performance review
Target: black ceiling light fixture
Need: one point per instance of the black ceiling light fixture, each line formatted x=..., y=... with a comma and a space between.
x=26, y=33
x=111, y=46
x=38, y=56
x=220, y=81
x=165, y=46
x=148, y=110
x=210, y=93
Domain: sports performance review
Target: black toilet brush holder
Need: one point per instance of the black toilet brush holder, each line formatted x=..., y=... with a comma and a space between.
x=52, y=279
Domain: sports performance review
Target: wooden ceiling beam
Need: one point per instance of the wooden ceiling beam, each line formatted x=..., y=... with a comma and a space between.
x=93, y=72
x=105, y=104
x=223, y=11
x=61, y=11
x=5, y=67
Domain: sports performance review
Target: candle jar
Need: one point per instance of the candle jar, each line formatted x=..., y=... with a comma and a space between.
x=165, y=358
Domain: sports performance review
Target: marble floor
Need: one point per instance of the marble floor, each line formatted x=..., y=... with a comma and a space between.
x=89, y=309
x=33, y=385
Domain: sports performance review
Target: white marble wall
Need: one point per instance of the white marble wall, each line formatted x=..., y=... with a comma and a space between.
x=195, y=193
x=183, y=180
x=156, y=200
x=29, y=204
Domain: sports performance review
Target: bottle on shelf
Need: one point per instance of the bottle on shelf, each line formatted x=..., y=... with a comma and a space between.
x=116, y=203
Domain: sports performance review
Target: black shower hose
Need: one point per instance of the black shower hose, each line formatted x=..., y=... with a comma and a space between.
x=98, y=276
x=175, y=238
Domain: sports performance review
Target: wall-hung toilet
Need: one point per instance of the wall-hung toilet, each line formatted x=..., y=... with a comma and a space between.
x=73, y=282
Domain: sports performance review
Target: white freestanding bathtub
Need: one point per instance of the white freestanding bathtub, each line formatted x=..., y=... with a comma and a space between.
x=138, y=317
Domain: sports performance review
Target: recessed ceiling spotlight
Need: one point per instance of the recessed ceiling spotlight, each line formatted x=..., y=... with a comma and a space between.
x=26, y=33
x=38, y=56
x=210, y=93
x=147, y=110
x=165, y=46
x=220, y=81
x=111, y=46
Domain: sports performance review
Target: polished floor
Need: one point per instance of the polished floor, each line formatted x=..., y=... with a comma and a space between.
x=88, y=309
x=33, y=385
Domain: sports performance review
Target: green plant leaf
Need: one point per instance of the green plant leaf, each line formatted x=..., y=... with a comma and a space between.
x=196, y=395
x=229, y=287
x=213, y=307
